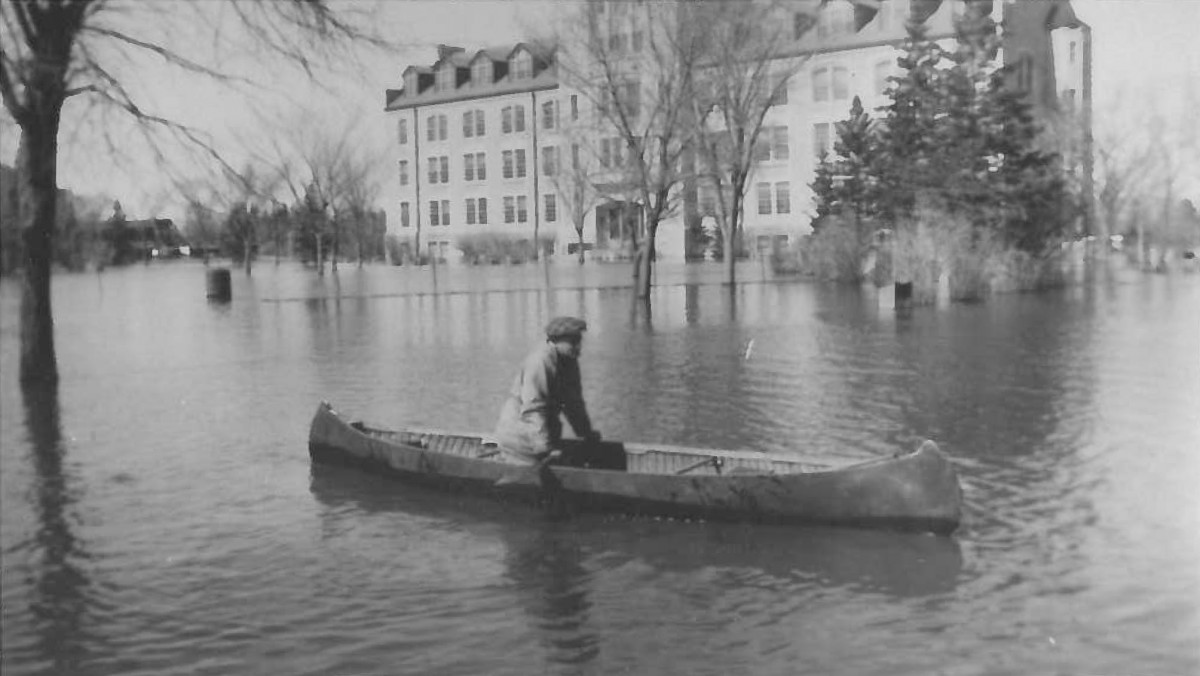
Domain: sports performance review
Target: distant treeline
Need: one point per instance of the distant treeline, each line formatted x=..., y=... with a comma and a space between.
x=95, y=233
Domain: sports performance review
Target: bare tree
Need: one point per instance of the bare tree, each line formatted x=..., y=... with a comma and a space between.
x=576, y=175
x=744, y=75
x=634, y=63
x=51, y=50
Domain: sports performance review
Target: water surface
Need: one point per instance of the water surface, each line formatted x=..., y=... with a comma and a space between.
x=160, y=514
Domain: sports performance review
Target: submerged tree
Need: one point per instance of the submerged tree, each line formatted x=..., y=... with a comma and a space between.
x=742, y=78
x=51, y=50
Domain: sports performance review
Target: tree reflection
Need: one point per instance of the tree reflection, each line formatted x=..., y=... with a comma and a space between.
x=60, y=600
x=553, y=587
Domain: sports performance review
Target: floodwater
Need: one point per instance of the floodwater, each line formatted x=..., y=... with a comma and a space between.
x=160, y=514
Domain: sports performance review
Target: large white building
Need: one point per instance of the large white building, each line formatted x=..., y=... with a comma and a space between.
x=480, y=134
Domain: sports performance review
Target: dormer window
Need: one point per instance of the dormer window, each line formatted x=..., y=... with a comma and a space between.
x=445, y=78
x=522, y=66
x=481, y=72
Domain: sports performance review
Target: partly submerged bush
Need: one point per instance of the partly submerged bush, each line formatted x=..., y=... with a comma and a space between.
x=497, y=247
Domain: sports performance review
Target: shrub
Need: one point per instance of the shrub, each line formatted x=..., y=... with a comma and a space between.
x=496, y=247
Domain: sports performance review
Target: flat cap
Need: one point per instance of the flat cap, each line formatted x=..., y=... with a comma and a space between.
x=565, y=327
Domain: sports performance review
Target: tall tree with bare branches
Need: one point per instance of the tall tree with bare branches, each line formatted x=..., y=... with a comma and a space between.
x=635, y=63
x=51, y=50
x=743, y=76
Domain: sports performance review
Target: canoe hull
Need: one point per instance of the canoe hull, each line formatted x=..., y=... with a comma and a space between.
x=918, y=491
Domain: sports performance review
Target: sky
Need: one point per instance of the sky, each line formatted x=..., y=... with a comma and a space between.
x=1145, y=50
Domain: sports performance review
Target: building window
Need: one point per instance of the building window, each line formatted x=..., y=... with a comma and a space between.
x=510, y=209
x=480, y=127
x=522, y=209
x=402, y=130
x=783, y=197
x=629, y=98
x=445, y=212
x=520, y=158
x=433, y=212
x=445, y=78
x=404, y=216
x=480, y=167
x=779, y=143
x=550, y=161
x=403, y=172
x=470, y=210
x=481, y=72
x=468, y=124
x=841, y=83
x=551, y=208
x=610, y=152
x=764, y=198
x=821, y=138
x=616, y=43
x=506, y=158
x=445, y=168
x=772, y=144
x=522, y=66
x=779, y=90
x=549, y=116
x=575, y=156
x=482, y=202
x=574, y=107
x=635, y=41
x=433, y=170
x=468, y=168
x=512, y=118
x=1071, y=50
x=882, y=70
x=436, y=128
x=821, y=84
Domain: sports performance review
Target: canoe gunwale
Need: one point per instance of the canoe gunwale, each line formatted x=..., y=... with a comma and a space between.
x=912, y=491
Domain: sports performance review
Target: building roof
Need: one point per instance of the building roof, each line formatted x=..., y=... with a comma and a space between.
x=544, y=76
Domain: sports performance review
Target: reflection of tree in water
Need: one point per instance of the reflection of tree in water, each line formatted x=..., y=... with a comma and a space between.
x=61, y=602
x=553, y=587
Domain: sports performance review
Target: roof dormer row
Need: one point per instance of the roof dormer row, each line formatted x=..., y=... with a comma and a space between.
x=455, y=69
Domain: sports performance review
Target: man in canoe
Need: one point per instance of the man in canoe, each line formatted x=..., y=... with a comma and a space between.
x=548, y=385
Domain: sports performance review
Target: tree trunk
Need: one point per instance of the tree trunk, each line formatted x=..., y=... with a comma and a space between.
x=645, y=261
x=37, y=187
x=320, y=256
x=247, y=247
x=730, y=259
x=579, y=231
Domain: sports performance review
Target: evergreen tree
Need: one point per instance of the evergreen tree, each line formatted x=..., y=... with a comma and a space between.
x=909, y=142
x=847, y=183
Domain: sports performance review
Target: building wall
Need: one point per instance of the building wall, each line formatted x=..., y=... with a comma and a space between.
x=867, y=56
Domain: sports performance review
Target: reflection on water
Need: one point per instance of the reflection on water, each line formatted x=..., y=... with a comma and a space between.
x=61, y=595
x=160, y=512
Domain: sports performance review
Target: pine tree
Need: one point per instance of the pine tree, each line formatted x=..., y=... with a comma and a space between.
x=909, y=138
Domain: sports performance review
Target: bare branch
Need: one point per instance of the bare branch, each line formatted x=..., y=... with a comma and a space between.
x=167, y=55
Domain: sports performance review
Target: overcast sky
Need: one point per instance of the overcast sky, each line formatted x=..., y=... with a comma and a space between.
x=1145, y=51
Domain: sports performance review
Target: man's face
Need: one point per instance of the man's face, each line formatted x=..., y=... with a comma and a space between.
x=570, y=347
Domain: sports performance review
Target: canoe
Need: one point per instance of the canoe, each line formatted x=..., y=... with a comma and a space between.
x=916, y=491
